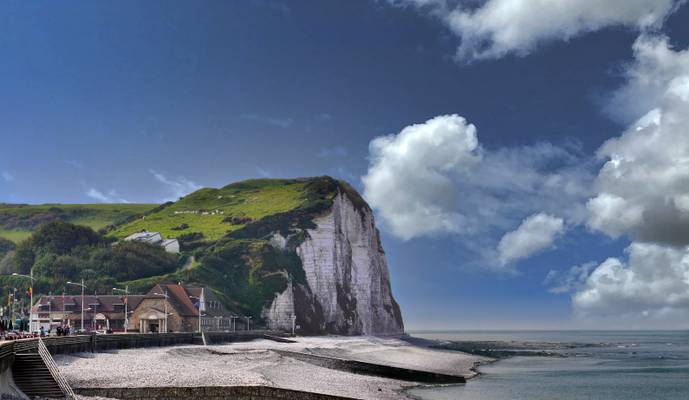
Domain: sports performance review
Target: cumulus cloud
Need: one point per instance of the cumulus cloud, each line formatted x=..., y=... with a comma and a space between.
x=177, y=187
x=410, y=177
x=653, y=281
x=649, y=79
x=498, y=27
x=110, y=197
x=643, y=187
x=435, y=178
x=536, y=233
x=643, y=194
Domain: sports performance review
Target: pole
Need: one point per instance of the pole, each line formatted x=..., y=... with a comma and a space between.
x=126, y=315
x=82, y=304
x=50, y=311
x=31, y=305
x=94, y=325
x=294, y=320
x=165, y=311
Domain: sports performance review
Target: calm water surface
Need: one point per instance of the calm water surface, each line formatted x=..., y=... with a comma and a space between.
x=630, y=365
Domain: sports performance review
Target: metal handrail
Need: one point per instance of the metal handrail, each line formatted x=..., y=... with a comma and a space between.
x=54, y=371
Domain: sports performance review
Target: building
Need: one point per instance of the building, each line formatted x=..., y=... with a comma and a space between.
x=155, y=238
x=106, y=312
x=181, y=304
x=147, y=313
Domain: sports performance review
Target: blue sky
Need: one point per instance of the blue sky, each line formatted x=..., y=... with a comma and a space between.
x=146, y=101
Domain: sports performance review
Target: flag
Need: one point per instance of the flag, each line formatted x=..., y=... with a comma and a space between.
x=202, y=302
x=29, y=292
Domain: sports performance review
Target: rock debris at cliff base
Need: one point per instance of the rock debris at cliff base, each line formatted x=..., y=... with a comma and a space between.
x=255, y=363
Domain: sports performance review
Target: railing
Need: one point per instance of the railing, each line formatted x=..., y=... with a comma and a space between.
x=54, y=371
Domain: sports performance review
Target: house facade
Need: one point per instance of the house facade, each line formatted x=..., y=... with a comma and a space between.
x=181, y=304
x=106, y=312
x=165, y=308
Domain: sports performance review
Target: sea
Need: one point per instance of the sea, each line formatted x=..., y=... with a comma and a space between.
x=624, y=365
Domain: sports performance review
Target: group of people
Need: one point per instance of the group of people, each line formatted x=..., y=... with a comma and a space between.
x=61, y=330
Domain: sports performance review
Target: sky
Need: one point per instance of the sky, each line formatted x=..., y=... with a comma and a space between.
x=528, y=162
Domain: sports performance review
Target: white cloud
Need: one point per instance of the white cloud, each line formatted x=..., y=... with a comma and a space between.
x=653, y=282
x=498, y=27
x=649, y=79
x=178, y=187
x=574, y=279
x=110, y=197
x=410, y=177
x=434, y=178
x=536, y=233
x=7, y=176
x=642, y=189
x=643, y=193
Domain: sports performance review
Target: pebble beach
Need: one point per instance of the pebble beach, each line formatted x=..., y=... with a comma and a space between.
x=259, y=363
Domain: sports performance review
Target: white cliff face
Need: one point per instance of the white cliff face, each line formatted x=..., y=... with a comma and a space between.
x=347, y=277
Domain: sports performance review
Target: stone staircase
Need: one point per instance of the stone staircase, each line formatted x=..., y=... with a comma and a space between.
x=33, y=377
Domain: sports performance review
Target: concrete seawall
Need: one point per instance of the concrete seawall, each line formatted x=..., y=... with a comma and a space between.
x=206, y=393
x=366, y=368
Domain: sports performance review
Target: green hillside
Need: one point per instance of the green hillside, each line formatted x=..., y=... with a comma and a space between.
x=217, y=212
x=17, y=221
x=225, y=230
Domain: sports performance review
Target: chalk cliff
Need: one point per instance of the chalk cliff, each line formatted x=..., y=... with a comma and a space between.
x=347, y=283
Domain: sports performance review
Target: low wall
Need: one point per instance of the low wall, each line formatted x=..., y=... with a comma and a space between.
x=7, y=389
x=206, y=393
x=365, y=368
x=96, y=343
x=6, y=356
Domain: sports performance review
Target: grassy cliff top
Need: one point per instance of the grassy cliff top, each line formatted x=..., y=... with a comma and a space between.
x=218, y=212
x=212, y=212
x=17, y=221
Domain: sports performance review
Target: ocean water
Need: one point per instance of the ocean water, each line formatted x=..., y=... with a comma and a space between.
x=629, y=365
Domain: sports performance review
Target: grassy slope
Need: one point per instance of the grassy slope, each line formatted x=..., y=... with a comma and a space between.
x=254, y=199
x=95, y=216
x=241, y=267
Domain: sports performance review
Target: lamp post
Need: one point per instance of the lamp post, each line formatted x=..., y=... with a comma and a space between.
x=126, y=301
x=31, y=295
x=201, y=307
x=82, y=300
x=164, y=295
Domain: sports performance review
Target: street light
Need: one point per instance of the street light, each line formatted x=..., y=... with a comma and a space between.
x=82, y=300
x=165, y=295
x=126, y=300
x=201, y=307
x=31, y=295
